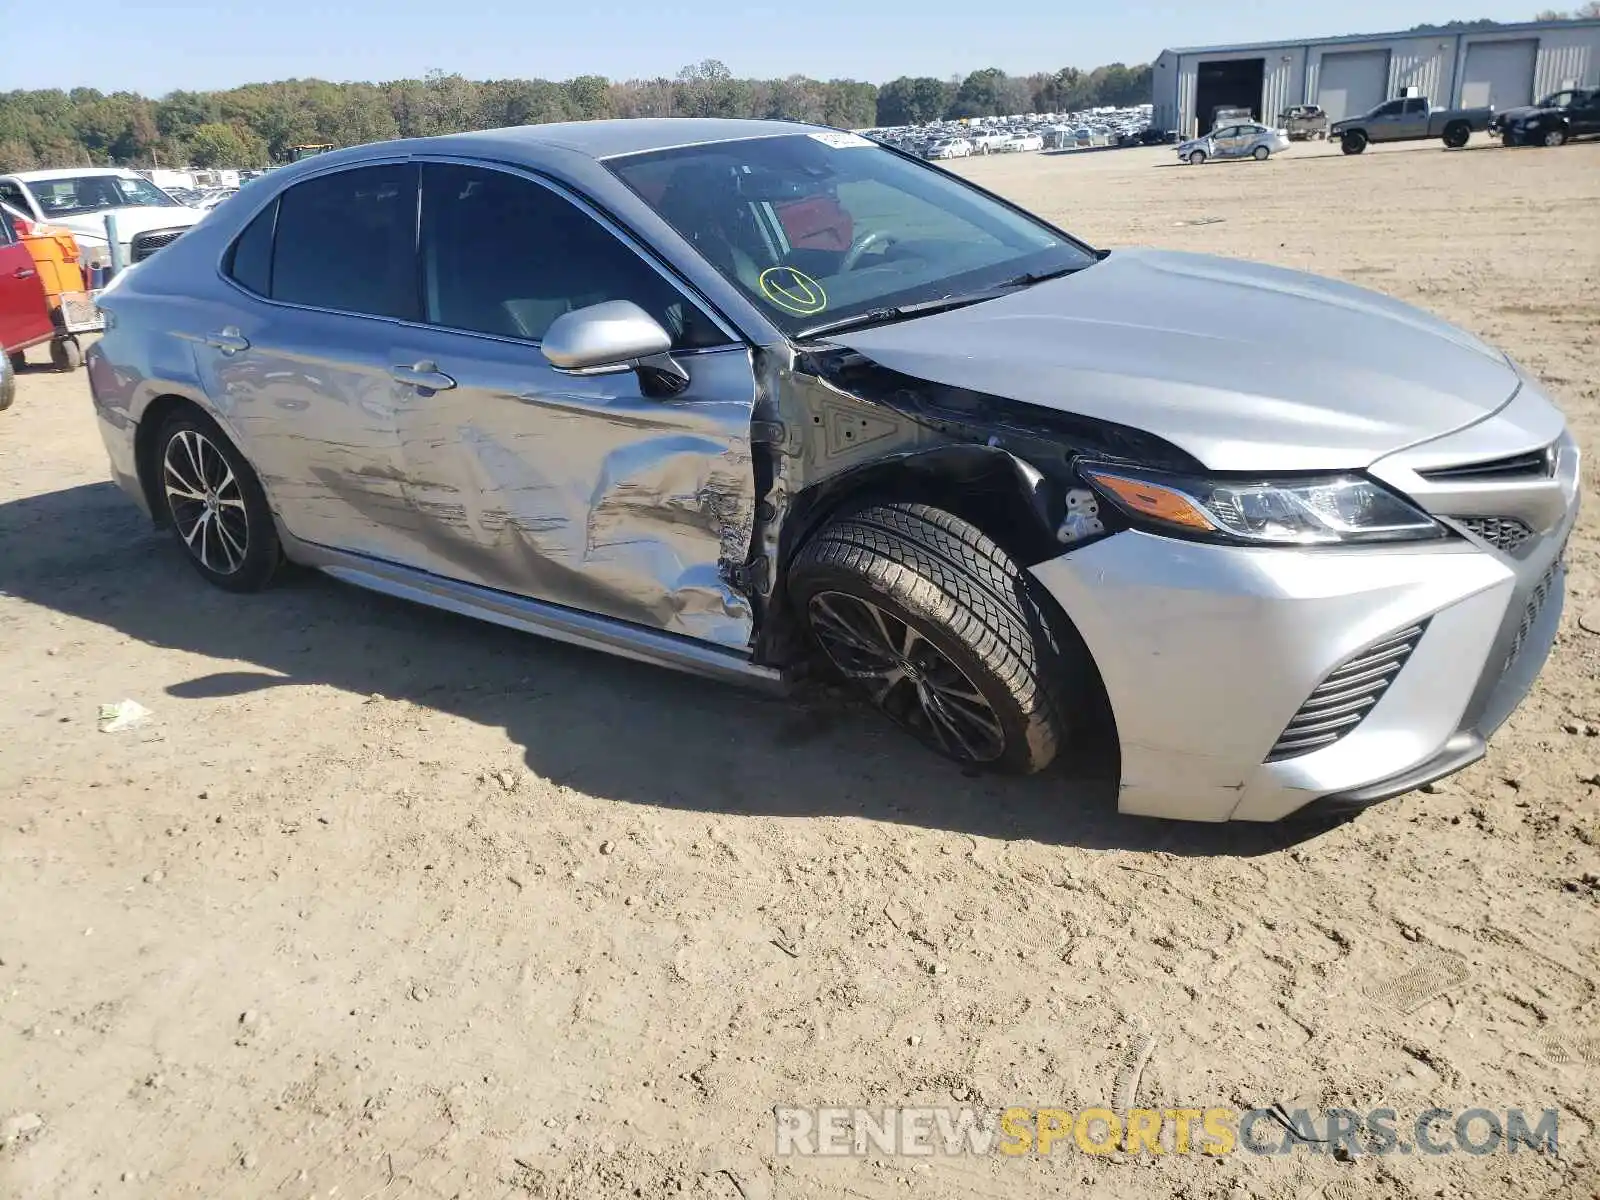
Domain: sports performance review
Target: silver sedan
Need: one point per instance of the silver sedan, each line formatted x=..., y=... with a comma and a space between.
x=1234, y=141
x=750, y=398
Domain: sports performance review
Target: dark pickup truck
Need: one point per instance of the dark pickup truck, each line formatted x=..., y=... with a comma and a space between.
x=1410, y=119
x=1554, y=121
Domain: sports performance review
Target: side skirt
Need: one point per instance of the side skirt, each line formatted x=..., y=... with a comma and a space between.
x=535, y=616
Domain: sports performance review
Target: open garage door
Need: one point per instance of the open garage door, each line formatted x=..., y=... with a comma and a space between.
x=1499, y=73
x=1353, y=82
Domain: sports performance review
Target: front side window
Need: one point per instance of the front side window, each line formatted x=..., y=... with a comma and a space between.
x=76, y=195
x=1391, y=109
x=818, y=228
x=506, y=256
x=347, y=241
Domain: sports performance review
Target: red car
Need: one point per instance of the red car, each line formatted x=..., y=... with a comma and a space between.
x=24, y=307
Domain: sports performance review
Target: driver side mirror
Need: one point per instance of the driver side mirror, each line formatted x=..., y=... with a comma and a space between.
x=617, y=335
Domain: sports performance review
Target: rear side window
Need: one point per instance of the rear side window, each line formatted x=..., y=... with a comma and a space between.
x=250, y=261
x=347, y=241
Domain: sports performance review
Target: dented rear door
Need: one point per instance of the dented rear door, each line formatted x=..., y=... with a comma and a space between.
x=579, y=490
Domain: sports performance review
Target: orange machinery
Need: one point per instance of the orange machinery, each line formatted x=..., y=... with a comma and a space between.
x=68, y=299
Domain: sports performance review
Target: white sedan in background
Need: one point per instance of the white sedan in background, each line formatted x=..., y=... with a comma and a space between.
x=1234, y=141
x=955, y=148
x=1024, y=141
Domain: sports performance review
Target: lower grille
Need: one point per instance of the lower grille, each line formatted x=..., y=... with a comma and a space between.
x=1506, y=534
x=1531, y=611
x=1343, y=700
x=145, y=244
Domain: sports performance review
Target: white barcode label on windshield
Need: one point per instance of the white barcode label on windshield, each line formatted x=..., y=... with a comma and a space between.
x=840, y=140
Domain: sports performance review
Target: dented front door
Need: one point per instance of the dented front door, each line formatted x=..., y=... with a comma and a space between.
x=581, y=490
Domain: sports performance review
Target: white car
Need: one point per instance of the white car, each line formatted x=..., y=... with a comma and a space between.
x=988, y=143
x=1024, y=141
x=80, y=198
x=955, y=148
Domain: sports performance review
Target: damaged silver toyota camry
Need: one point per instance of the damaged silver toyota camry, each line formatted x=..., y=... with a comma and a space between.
x=741, y=398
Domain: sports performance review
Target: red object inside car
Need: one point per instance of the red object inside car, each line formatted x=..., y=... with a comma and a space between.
x=815, y=223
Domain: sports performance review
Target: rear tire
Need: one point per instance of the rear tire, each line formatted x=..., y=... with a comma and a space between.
x=1456, y=134
x=8, y=384
x=1353, y=142
x=1261, y=154
x=215, y=504
x=18, y=360
x=937, y=627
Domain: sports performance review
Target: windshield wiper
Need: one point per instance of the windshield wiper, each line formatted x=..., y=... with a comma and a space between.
x=898, y=312
x=903, y=312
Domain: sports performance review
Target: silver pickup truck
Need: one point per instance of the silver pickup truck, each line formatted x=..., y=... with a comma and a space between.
x=1410, y=119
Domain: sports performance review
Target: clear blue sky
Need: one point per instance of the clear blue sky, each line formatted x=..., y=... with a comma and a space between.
x=155, y=46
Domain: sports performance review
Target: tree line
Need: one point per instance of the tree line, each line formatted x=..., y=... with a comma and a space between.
x=257, y=124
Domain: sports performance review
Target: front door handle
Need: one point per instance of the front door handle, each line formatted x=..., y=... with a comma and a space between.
x=24, y=273
x=424, y=376
x=229, y=340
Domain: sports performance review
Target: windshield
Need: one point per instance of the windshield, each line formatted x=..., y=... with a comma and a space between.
x=77, y=194
x=818, y=228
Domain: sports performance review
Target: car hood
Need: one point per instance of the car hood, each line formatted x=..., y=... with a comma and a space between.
x=131, y=220
x=1245, y=367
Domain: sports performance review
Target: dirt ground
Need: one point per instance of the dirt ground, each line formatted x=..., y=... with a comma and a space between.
x=383, y=902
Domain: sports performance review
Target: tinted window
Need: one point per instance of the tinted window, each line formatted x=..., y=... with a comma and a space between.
x=11, y=193
x=348, y=241
x=250, y=263
x=507, y=256
x=1390, y=109
x=1416, y=105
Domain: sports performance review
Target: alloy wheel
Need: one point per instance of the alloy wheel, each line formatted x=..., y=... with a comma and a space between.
x=206, y=502
x=907, y=676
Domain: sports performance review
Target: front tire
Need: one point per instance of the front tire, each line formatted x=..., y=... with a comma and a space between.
x=1197, y=158
x=215, y=504
x=937, y=627
x=1353, y=142
x=1555, y=137
x=8, y=384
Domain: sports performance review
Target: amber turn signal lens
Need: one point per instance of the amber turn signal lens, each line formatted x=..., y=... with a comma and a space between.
x=1153, y=501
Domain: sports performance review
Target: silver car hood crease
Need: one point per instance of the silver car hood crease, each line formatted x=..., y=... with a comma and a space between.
x=1246, y=367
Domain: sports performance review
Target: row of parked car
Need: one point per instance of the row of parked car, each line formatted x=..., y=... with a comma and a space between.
x=1036, y=131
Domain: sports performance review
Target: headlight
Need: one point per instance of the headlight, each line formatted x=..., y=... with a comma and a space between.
x=1293, y=512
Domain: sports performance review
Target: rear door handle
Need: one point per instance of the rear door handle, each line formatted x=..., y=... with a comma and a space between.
x=24, y=273
x=229, y=340
x=424, y=376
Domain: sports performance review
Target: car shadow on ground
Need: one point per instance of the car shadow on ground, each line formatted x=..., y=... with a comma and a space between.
x=602, y=725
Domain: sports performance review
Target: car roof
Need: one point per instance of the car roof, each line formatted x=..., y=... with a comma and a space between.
x=610, y=139
x=70, y=173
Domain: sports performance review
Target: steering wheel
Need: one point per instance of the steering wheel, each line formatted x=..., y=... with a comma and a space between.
x=860, y=246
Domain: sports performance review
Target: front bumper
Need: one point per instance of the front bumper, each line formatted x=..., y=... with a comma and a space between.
x=1208, y=651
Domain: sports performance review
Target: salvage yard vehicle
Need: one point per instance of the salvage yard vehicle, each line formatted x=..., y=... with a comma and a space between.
x=1304, y=123
x=748, y=399
x=1234, y=141
x=1410, y=119
x=1555, y=121
x=80, y=198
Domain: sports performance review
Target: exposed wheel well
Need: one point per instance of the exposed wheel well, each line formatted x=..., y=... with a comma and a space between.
x=146, y=449
x=987, y=488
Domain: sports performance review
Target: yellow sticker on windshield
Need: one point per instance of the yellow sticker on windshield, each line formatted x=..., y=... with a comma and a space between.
x=793, y=291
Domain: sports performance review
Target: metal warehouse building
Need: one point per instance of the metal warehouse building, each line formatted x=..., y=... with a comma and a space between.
x=1504, y=66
